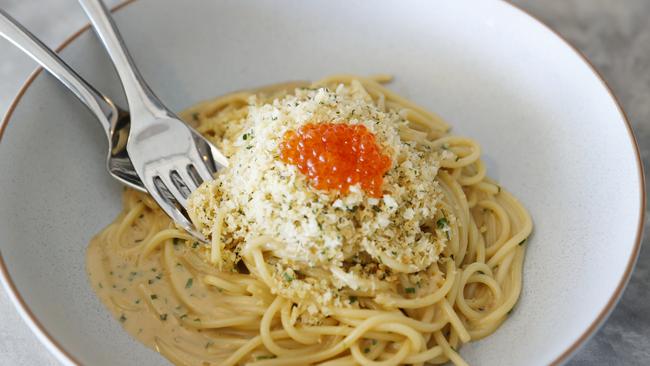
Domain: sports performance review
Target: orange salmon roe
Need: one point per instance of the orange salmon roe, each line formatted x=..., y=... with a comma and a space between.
x=336, y=156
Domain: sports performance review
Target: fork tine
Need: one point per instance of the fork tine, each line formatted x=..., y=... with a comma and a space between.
x=173, y=189
x=171, y=210
x=203, y=170
x=184, y=174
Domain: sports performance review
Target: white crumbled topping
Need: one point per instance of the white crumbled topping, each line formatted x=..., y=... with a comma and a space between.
x=345, y=235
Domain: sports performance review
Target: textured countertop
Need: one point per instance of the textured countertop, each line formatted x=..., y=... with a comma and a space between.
x=613, y=34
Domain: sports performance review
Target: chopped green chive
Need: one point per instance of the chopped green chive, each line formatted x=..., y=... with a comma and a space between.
x=353, y=299
x=442, y=223
x=163, y=317
x=410, y=290
x=189, y=282
x=287, y=277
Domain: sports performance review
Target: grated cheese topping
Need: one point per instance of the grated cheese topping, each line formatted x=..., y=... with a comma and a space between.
x=358, y=242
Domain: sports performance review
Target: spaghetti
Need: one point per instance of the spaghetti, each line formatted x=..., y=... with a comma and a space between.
x=235, y=302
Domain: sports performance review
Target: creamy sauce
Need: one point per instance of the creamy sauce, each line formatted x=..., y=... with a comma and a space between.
x=160, y=299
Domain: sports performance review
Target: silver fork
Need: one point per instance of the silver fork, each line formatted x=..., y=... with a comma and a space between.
x=171, y=158
x=113, y=119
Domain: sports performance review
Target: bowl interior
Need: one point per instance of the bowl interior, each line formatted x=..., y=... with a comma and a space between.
x=550, y=131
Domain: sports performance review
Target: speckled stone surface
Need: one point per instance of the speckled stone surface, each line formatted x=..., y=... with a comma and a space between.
x=613, y=34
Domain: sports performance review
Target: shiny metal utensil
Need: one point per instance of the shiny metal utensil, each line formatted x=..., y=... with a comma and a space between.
x=171, y=158
x=113, y=120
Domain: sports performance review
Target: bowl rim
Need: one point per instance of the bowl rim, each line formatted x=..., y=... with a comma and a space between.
x=66, y=357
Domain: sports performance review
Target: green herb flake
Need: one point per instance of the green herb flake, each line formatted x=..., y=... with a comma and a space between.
x=189, y=282
x=195, y=244
x=195, y=116
x=523, y=241
x=366, y=350
x=353, y=299
x=122, y=318
x=376, y=208
x=410, y=290
x=154, y=296
x=163, y=317
x=442, y=223
x=287, y=277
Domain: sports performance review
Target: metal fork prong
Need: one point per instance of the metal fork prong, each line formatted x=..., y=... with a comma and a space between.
x=184, y=174
x=191, y=170
x=203, y=170
x=167, y=206
x=177, y=193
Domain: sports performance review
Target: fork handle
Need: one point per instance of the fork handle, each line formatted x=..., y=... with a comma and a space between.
x=18, y=35
x=142, y=101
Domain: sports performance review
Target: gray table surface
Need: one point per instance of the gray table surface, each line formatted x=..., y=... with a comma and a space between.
x=613, y=34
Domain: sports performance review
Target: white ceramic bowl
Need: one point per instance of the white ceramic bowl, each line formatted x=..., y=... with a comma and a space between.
x=551, y=132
